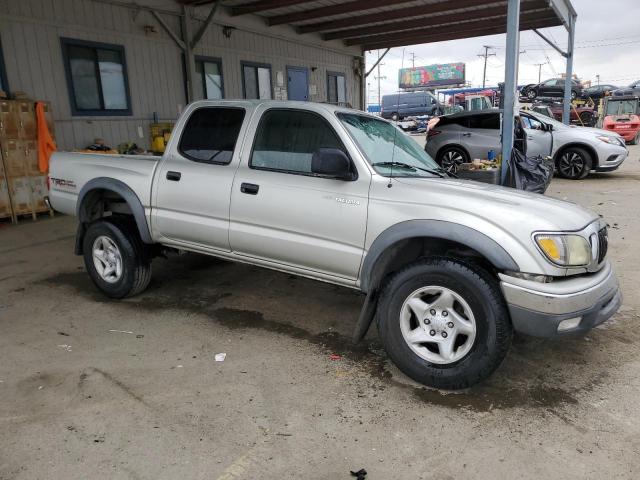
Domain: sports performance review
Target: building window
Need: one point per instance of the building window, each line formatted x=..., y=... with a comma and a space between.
x=97, y=78
x=211, y=133
x=336, y=88
x=4, y=85
x=210, y=85
x=256, y=80
x=287, y=139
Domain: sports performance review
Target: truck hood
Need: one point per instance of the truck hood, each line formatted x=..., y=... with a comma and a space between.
x=503, y=206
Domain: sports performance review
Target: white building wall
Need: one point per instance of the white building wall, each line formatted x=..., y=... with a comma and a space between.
x=30, y=32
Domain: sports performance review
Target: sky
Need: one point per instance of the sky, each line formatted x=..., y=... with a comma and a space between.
x=607, y=44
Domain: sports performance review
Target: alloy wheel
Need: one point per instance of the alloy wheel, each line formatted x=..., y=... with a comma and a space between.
x=571, y=164
x=438, y=324
x=107, y=259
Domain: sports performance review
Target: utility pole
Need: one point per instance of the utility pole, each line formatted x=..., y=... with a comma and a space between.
x=539, y=65
x=485, y=55
x=413, y=59
x=379, y=78
x=598, y=79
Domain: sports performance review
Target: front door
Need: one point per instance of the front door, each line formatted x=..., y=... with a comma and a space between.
x=193, y=181
x=298, y=83
x=537, y=139
x=281, y=212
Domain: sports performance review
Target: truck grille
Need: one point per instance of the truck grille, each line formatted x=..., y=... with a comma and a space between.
x=603, y=244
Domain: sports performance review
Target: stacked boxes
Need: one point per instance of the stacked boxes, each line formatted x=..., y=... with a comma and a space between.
x=22, y=185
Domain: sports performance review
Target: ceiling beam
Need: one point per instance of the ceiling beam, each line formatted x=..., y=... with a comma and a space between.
x=446, y=36
x=458, y=26
x=330, y=10
x=432, y=22
x=399, y=14
x=262, y=5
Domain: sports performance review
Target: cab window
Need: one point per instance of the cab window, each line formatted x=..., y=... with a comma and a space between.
x=210, y=134
x=287, y=139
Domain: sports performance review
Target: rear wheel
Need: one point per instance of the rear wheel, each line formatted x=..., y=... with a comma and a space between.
x=444, y=323
x=115, y=258
x=395, y=117
x=636, y=139
x=574, y=163
x=531, y=94
x=574, y=94
x=449, y=158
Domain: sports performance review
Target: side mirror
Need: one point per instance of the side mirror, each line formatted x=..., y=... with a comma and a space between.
x=549, y=127
x=331, y=163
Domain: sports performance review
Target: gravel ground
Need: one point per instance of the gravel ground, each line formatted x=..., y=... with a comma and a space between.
x=93, y=388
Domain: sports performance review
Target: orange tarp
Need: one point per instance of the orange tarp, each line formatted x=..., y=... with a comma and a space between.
x=46, y=144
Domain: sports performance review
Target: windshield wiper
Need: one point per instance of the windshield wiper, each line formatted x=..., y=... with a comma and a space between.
x=410, y=167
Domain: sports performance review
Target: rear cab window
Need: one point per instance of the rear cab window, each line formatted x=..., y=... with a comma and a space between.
x=210, y=134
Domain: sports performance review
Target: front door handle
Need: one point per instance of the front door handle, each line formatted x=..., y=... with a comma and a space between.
x=249, y=188
x=466, y=134
x=174, y=176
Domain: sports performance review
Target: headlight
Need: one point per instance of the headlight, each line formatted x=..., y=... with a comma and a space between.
x=565, y=250
x=608, y=139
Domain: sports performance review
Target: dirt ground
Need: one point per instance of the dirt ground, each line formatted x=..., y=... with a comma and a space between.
x=98, y=389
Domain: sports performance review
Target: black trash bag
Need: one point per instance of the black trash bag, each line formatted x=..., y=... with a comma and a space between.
x=532, y=174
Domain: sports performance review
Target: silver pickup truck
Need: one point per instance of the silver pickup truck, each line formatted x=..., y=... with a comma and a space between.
x=450, y=268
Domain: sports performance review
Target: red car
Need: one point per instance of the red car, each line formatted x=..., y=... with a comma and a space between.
x=622, y=115
x=579, y=115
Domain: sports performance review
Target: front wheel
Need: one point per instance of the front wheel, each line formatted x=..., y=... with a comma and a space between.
x=531, y=94
x=444, y=323
x=395, y=117
x=574, y=163
x=116, y=258
x=636, y=139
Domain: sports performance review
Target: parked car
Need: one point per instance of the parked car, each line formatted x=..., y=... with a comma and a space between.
x=622, y=115
x=450, y=268
x=401, y=105
x=553, y=87
x=596, y=92
x=462, y=137
x=579, y=114
x=633, y=89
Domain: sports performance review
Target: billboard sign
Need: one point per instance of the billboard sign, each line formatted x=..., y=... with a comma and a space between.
x=438, y=75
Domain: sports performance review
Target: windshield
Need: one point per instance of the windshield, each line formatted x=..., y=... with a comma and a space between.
x=623, y=107
x=387, y=148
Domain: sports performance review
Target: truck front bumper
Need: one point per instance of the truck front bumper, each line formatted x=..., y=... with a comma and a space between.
x=562, y=307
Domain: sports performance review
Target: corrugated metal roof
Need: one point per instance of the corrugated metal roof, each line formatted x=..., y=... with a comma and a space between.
x=389, y=23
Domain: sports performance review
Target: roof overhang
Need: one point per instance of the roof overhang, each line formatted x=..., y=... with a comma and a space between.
x=373, y=24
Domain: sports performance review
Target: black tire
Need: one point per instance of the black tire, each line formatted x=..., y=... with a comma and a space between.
x=136, y=261
x=574, y=94
x=587, y=119
x=449, y=158
x=531, y=94
x=574, y=163
x=395, y=117
x=481, y=292
x=636, y=139
x=436, y=113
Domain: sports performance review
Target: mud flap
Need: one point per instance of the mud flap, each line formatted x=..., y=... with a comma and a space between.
x=367, y=315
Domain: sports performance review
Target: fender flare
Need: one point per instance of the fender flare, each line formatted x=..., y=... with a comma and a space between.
x=122, y=189
x=489, y=248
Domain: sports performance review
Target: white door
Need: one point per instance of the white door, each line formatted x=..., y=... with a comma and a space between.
x=538, y=140
x=193, y=183
x=283, y=213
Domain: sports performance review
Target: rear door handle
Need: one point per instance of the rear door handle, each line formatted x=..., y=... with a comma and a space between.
x=249, y=188
x=174, y=176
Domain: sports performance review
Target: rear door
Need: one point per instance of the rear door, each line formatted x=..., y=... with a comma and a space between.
x=193, y=181
x=538, y=141
x=282, y=213
x=481, y=135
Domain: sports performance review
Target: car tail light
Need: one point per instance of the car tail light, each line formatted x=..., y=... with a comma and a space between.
x=433, y=133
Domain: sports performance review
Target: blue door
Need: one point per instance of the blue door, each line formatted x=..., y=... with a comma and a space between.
x=298, y=83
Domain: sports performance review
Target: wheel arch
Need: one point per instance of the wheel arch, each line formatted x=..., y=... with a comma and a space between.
x=94, y=193
x=590, y=150
x=411, y=233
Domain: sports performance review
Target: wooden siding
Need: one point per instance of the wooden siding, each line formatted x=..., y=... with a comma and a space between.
x=30, y=31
